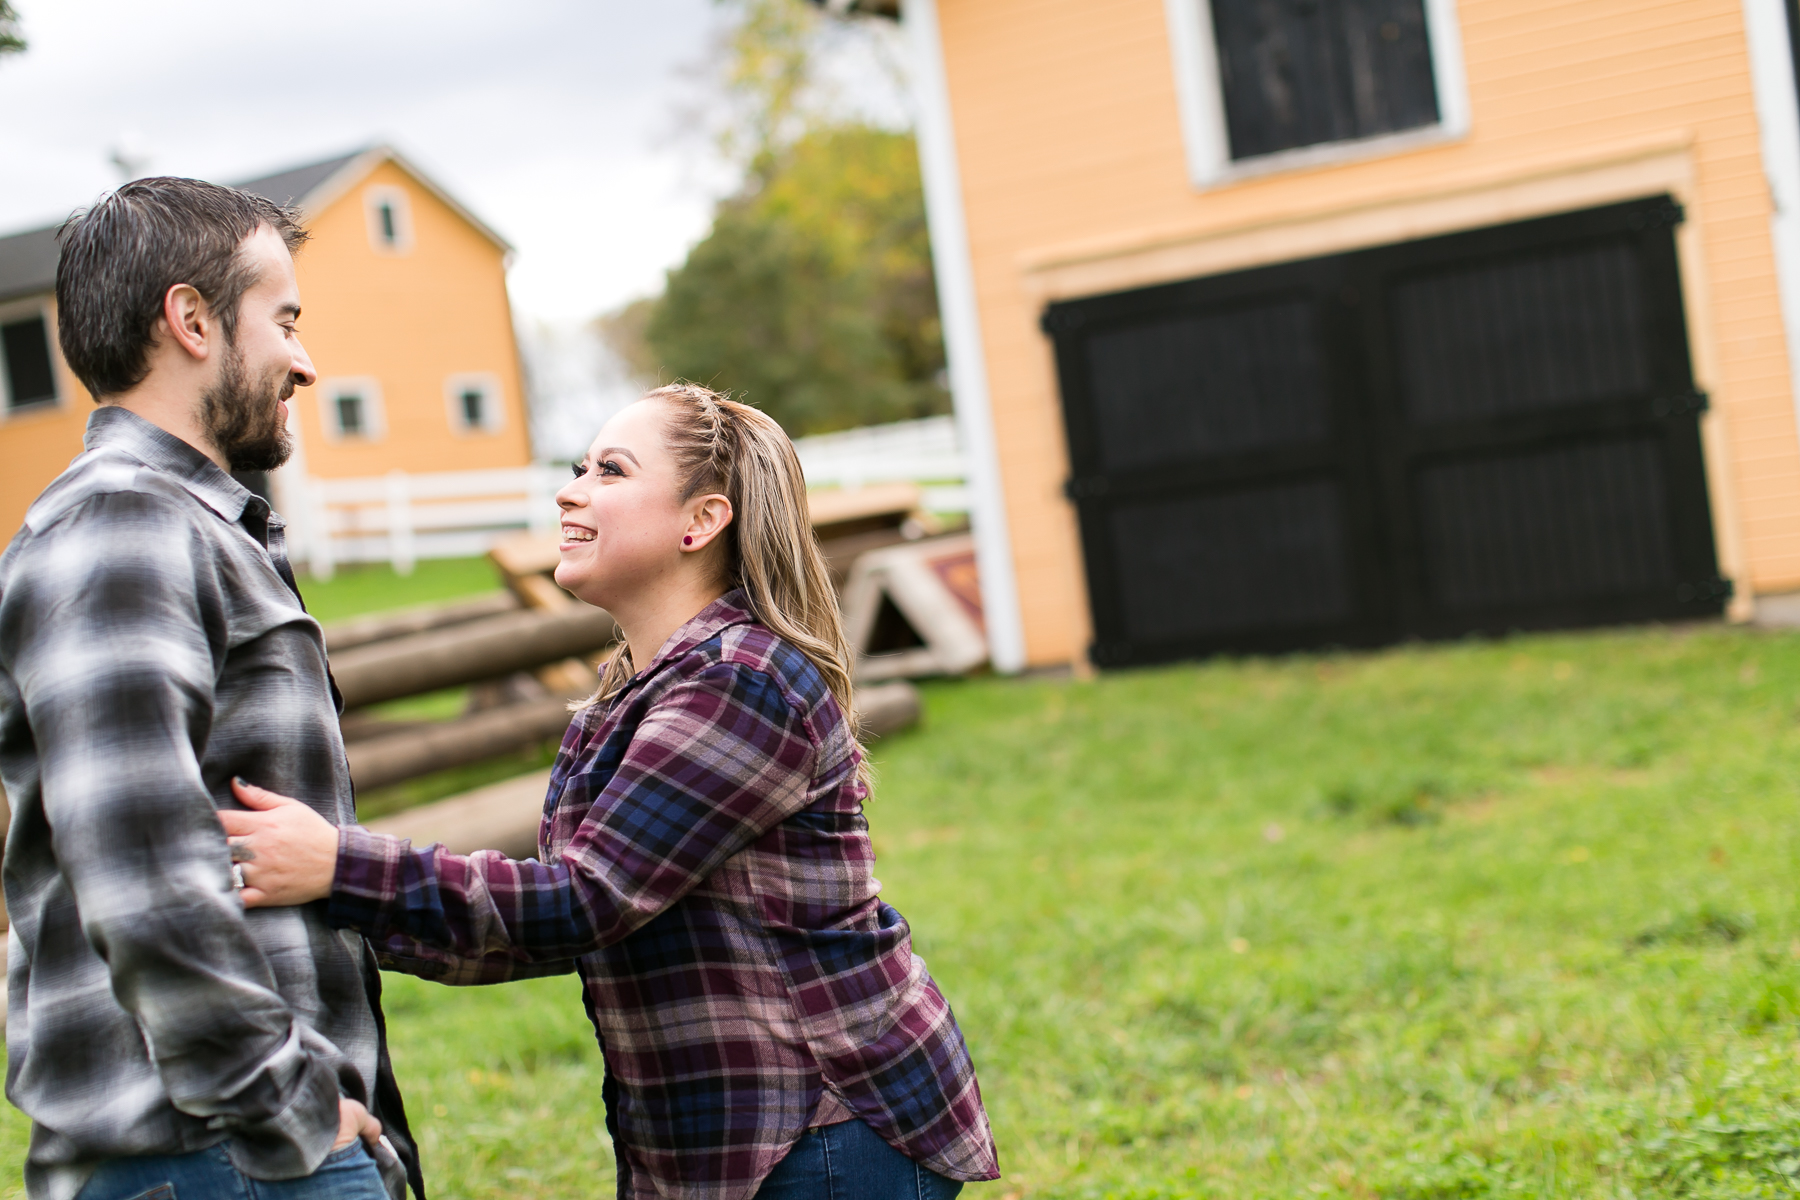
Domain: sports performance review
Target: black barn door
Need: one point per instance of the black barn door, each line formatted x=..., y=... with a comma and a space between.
x=1481, y=432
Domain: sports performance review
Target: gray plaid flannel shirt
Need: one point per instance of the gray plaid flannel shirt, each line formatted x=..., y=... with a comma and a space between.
x=150, y=649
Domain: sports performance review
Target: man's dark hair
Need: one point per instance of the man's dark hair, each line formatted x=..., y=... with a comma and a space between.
x=121, y=257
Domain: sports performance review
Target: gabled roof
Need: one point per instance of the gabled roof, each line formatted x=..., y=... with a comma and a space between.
x=28, y=263
x=28, y=260
x=293, y=185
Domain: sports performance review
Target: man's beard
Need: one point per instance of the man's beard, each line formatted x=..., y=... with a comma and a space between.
x=242, y=416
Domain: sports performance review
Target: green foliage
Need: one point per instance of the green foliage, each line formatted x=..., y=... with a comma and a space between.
x=1196, y=953
x=12, y=39
x=812, y=297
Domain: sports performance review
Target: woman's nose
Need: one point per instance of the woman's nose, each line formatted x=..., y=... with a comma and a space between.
x=570, y=496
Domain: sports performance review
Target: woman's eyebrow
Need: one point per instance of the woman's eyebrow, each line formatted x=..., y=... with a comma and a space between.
x=621, y=452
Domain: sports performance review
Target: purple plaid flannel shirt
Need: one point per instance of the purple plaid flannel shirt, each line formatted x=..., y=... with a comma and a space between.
x=707, y=871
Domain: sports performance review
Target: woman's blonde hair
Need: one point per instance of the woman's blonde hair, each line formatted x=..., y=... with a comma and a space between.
x=770, y=551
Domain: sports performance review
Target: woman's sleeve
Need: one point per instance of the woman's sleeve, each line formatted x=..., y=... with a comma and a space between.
x=409, y=956
x=719, y=760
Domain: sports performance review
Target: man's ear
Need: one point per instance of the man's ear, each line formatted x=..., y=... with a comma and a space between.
x=707, y=520
x=187, y=320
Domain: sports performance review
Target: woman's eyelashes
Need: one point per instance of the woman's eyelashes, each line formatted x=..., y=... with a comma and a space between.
x=605, y=467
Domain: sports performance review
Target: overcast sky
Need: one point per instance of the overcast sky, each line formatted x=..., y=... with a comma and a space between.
x=557, y=121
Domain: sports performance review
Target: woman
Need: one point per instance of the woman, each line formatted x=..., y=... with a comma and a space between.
x=705, y=865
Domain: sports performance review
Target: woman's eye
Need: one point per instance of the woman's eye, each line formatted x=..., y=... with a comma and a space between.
x=609, y=467
x=579, y=470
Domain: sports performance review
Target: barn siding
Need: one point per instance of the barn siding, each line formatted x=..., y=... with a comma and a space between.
x=1068, y=137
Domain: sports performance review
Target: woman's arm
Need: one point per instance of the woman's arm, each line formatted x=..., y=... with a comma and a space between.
x=408, y=956
x=718, y=761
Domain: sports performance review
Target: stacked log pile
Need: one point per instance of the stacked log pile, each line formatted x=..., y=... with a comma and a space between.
x=529, y=650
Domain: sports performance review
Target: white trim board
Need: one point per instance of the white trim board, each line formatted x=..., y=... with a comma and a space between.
x=1778, y=118
x=962, y=335
x=1202, y=101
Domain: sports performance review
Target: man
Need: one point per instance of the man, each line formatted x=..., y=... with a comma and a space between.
x=153, y=646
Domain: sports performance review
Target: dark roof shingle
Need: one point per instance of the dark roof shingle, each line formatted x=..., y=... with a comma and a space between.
x=293, y=185
x=28, y=263
x=28, y=260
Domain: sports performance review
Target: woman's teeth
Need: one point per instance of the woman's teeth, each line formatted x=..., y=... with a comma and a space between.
x=573, y=534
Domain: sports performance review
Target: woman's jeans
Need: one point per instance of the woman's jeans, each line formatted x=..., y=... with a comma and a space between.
x=850, y=1161
x=347, y=1174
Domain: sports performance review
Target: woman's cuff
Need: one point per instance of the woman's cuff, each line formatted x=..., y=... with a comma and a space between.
x=367, y=883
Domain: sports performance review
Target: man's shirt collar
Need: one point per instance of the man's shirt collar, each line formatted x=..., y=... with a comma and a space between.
x=115, y=428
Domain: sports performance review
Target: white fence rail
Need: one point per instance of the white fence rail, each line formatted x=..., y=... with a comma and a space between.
x=400, y=518
x=924, y=452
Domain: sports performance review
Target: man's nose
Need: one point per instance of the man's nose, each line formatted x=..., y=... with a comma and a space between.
x=302, y=368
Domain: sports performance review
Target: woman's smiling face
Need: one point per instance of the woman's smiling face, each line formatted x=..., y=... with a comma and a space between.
x=622, y=516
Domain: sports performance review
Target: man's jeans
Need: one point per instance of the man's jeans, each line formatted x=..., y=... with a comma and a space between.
x=850, y=1161
x=347, y=1174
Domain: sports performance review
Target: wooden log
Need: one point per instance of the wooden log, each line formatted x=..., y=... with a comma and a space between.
x=384, y=760
x=504, y=816
x=501, y=816
x=468, y=653
x=347, y=635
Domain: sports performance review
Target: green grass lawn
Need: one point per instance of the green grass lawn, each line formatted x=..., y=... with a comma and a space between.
x=1486, y=919
x=359, y=588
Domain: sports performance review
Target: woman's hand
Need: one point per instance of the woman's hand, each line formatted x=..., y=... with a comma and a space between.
x=286, y=851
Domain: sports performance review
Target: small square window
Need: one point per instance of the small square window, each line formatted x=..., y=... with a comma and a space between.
x=473, y=402
x=350, y=415
x=389, y=214
x=1280, y=84
x=27, y=376
x=351, y=410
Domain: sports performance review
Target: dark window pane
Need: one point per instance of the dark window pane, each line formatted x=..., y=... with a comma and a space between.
x=1575, y=523
x=387, y=224
x=350, y=415
x=1523, y=334
x=1209, y=383
x=1304, y=72
x=25, y=345
x=1267, y=557
x=471, y=408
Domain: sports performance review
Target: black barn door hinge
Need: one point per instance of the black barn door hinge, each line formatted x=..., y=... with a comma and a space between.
x=1665, y=214
x=1086, y=488
x=1681, y=404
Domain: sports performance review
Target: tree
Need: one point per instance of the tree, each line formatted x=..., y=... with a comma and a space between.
x=12, y=40
x=812, y=295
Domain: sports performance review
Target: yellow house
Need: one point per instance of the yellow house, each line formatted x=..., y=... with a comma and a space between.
x=1276, y=323
x=405, y=316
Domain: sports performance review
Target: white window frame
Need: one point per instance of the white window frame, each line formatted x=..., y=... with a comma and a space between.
x=1202, y=100
x=399, y=202
x=374, y=412
x=35, y=306
x=493, y=410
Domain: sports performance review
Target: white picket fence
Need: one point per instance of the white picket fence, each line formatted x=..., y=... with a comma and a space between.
x=400, y=518
x=925, y=452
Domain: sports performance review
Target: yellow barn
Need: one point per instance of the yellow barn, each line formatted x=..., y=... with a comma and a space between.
x=405, y=316
x=1284, y=323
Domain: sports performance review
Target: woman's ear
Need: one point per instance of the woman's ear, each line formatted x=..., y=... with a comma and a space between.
x=707, y=518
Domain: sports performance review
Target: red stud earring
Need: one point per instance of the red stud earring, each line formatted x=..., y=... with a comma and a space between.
x=687, y=541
